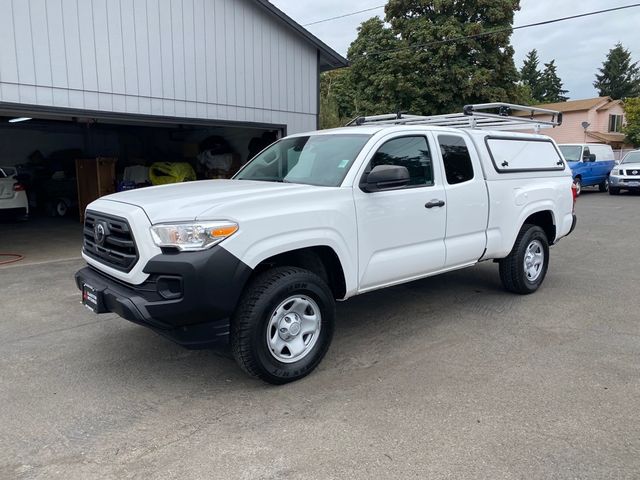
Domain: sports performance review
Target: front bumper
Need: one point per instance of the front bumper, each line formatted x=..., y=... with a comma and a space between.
x=626, y=183
x=188, y=297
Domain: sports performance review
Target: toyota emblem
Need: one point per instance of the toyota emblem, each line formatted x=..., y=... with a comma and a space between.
x=99, y=233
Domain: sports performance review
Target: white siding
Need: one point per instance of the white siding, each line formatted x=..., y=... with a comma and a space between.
x=222, y=60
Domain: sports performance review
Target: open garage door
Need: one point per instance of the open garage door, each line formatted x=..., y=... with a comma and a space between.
x=53, y=151
x=64, y=160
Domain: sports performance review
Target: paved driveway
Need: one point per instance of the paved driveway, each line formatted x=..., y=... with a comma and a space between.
x=447, y=377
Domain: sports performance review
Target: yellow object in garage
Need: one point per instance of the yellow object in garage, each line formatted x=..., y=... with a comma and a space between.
x=163, y=173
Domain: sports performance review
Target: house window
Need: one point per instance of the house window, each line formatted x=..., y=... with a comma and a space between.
x=615, y=123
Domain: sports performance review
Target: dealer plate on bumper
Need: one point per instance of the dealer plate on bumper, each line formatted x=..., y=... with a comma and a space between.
x=92, y=298
x=633, y=184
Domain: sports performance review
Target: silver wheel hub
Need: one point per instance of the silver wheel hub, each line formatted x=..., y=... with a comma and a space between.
x=289, y=326
x=534, y=260
x=293, y=328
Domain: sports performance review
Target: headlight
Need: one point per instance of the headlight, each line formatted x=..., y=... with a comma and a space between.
x=192, y=236
x=616, y=172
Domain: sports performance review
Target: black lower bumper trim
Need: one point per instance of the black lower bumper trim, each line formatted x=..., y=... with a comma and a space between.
x=197, y=316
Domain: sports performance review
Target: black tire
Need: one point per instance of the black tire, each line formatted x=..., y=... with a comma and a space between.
x=604, y=186
x=512, y=271
x=578, y=183
x=251, y=321
x=614, y=191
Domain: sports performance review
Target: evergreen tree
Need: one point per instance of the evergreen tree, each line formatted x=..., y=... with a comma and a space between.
x=530, y=75
x=380, y=82
x=417, y=64
x=618, y=77
x=551, y=85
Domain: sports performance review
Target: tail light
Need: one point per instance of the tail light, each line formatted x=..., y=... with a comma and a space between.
x=574, y=194
x=18, y=187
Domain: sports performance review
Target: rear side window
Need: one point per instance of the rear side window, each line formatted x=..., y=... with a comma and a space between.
x=522, y=155
x=457, y=162
x=410, y=152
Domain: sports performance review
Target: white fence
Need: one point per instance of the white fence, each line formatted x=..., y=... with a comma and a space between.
x=619, y=154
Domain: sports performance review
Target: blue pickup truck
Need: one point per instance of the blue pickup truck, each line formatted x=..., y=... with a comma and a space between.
x=590, y=164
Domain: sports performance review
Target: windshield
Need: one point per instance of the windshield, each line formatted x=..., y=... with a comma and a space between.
x=633, y=157
x=321, y=160
x=571, y=153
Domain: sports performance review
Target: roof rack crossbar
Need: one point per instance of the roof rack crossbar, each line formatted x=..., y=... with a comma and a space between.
x=475, y=116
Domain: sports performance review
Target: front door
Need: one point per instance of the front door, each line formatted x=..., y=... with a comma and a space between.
x=401, y=231
x=586, y=169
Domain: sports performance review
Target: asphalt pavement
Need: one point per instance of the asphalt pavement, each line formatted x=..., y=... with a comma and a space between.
x=449, y=377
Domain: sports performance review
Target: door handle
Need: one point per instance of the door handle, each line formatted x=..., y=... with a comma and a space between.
x=434, y=204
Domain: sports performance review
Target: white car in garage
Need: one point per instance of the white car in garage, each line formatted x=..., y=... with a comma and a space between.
x=13, y=196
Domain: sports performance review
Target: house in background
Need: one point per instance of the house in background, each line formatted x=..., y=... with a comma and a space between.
x=603, y=115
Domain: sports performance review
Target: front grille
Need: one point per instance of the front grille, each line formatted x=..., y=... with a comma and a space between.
x=117, y=249
x=631, y=173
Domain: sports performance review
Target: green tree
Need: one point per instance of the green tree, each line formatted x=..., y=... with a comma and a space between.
x=619, y=77
x=530, y=75
x=551, y=85
x=419, y=64
x=380, y=82
x=336, y=102
x=632, y=114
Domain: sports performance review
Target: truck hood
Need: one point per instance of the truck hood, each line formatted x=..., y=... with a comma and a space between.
x=191, y=200
x=628, y=166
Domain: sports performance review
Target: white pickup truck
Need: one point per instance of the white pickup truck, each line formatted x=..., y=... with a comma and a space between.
x=257, y=262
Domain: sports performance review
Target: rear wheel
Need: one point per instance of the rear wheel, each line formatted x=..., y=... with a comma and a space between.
x=604, y=186
x=578, y=183
x=284, y=325
x=524, y=270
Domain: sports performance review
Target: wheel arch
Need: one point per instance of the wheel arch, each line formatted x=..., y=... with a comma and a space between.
x=544, y=219
x=319, y=259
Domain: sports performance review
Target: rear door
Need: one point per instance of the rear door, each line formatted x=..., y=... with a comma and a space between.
x=401, y=231
x=467, y=199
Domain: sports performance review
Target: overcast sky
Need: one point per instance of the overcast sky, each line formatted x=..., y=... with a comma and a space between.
x=578, y=46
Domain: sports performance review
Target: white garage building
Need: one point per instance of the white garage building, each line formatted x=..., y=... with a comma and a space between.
x=142, y=81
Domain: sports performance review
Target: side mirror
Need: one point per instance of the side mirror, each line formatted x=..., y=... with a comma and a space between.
x=592, y=157
x=386, y=177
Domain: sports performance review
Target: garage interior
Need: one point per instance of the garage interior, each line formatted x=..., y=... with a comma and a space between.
x=56, y=156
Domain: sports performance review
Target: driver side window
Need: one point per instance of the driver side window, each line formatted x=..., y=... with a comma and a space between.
x=410, y=152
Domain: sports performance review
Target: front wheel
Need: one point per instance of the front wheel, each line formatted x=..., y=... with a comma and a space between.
x=523, y=271
x=284, y=325
x=604, y=186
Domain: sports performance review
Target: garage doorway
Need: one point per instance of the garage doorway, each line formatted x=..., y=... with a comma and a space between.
x=47, y=150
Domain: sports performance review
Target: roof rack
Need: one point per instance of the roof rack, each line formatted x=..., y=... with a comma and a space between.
x=489, y=116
